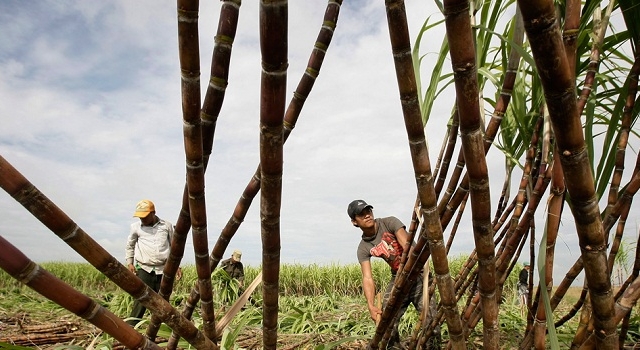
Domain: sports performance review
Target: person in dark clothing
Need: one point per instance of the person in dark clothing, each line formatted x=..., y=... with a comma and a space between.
x=233, y=267
x=523, y=287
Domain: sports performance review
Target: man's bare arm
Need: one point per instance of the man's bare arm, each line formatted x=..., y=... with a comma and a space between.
x=402, y=236
x=369, y=287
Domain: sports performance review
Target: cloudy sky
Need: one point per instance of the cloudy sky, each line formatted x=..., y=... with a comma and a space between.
x=90, y=114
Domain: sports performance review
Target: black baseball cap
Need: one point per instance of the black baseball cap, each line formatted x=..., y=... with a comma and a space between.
x=356, y=207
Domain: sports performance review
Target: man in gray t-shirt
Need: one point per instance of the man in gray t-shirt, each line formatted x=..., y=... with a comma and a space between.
x=383, y=238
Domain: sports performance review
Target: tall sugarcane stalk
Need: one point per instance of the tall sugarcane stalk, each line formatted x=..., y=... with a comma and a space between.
x=519, y=233
x=519, y=227
x=189, y=54
x=291, y=116
x=293, y=112
x=623, y=307
x=453, y=197
x=461, y=43
x=536, y=309
x=563, y=287
x=600, y=23
x=616, y=212
x=456, y=223
x=599, y=27
x=492, y=128
x=557, y=191
x=500, y=226
x=623, y=138
x=503, y=101
x=274, y=50
x=623, y=204
x=554, y=213
x=599, y=30
x=452, y=133
x=570, y=32
x=211, y=107
x=635, y=271
x=556, y=77
x=514, y=211
x=582, y=331
x=20, y=267
x=431, y=229
x=25, y=193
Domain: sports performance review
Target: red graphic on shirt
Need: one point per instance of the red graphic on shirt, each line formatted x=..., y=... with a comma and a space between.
x=388, y=249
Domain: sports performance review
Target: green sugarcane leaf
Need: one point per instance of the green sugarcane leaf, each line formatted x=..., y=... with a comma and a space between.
x=6, y=346
x=631, y=13
x=415, y=53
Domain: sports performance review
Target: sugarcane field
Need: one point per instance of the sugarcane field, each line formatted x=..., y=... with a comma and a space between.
x=319, y=175
x=321, y=305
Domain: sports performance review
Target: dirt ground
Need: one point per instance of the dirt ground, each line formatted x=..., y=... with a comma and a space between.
x=54, y=331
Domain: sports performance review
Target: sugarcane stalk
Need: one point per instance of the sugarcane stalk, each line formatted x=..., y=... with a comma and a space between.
x=517, y=236
x=623, y=307
x=623, y=138
x=447, y=153
x=452, y=199
x=582, y=331
x=211, y=106
x=600, y=25
x=624, y=328
x=253, y=187
x=621, y=206
x=274, y=50
x=559, y=87
x=557, y=200
x=189, y=55
x=456, y=223
x=431, y=231
x=537, y=315
x=462, y=52
x=16, y=264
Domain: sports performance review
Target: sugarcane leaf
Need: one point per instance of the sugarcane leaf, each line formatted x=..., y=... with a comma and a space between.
x=525, y=54
x=6, y=346
x=609, y=145
x=486, y=72
x=436, y=77
x=631, y=13
x=415, y=53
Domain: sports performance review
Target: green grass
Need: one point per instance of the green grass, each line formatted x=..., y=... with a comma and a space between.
x=320, y=301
